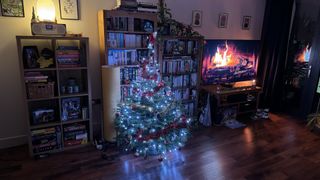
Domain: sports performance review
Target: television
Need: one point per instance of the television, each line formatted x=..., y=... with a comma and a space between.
x=303, y=54
x=229, y=61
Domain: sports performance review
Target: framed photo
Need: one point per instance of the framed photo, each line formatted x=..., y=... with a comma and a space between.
x=196, y=18
x=30, y=56
x=246, y=22
x=12, y=8
x=223, y=20
x=69, y=9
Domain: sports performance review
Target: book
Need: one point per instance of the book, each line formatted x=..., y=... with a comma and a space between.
x=69, y=55
x=74, y=127
x=179, y=65
x=70, y=109
x=194, y=79
x=35, y=77
x=122, y=57
x=46, y=139
x=128, y=74
x=75, y=134
x=121, y=40
x=117, y=23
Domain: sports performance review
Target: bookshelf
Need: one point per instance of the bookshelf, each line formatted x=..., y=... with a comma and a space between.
x=180, y=59
x=57, y=92
x=124, y=42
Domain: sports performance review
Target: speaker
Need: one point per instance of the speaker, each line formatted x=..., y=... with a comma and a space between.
x=43, y=28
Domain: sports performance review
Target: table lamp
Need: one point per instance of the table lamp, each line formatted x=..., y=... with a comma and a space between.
x=44, y=20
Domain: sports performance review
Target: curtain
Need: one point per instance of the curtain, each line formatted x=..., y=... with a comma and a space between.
x=273, y=54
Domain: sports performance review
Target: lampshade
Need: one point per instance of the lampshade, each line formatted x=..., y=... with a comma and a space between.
x=46, y=11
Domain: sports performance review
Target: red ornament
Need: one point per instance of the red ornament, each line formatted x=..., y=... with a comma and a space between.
x=152, y=39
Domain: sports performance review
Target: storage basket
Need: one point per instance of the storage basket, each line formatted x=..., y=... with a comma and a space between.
x=40, y=90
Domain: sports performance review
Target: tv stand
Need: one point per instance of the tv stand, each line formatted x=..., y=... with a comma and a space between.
x=243, y=99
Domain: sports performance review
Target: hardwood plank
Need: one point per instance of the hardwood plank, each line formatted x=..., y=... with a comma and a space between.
x=279, y=148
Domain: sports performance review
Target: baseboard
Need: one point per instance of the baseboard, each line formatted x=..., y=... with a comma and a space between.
x=13, y=141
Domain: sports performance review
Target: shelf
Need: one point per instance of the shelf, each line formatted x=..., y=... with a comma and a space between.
x=247, y=112
x=49, y=152
x=42, y=99
x=75, y=121
x=125, y=66
x=129, y=32
x=52, y=37
x=40, y=69
x=184, y=58
x=177, y=74
x=133, y=48
x=32, y=127
x=187, y=101
x=72, y=68
x=177, y=55
x=184, y=87
x=73, y=95
x=76, y=146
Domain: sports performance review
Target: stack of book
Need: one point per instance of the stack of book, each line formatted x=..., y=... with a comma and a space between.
x=177, y=81
x=122, y=57
x=128, y=74
x=194, y=79
x=181, y=81
x=35, y=77
x=46, y=139
x=182, y=65
x=75, y=134
x=177, y=94
x=117, y=23
x=180, y=47
x=189, y=108
x=185, y=94
x=125, y=92
x=68, y=56
x=120, y=40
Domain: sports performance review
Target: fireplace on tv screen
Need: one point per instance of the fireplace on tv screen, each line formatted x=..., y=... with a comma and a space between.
x=229, y=61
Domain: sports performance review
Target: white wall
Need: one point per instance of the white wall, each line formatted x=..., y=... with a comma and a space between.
x=13, y=124
x=182, y=11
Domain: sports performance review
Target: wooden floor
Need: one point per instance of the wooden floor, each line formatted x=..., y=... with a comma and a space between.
x=279, y=148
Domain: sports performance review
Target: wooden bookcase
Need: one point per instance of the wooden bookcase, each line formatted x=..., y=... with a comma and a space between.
x=59, y=120
x=180, y=60
x=123, y=36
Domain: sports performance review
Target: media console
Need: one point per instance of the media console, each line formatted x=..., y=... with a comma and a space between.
x=234, y=99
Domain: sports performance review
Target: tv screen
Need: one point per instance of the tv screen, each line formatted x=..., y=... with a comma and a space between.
x=228, y=61
x=303, y=54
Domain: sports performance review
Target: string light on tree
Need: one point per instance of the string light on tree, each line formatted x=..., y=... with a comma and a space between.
x=151, y=122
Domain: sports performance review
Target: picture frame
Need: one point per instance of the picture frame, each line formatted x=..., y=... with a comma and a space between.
x=12, y=8
x=69, y=9
x=196, y=18
x=223, y=20
x=246, y=22
x=30, y=55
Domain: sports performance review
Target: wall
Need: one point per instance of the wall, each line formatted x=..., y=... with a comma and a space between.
x=12, y=123
x=182, y=11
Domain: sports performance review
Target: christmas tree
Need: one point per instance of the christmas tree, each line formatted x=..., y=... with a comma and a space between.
x=151, y=121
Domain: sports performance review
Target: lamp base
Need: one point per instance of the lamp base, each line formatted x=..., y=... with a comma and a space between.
x=48, y=28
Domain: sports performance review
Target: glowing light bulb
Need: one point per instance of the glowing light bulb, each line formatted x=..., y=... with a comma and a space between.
x=46, y=11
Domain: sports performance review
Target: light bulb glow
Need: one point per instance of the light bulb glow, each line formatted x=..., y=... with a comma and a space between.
x=46, y=11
